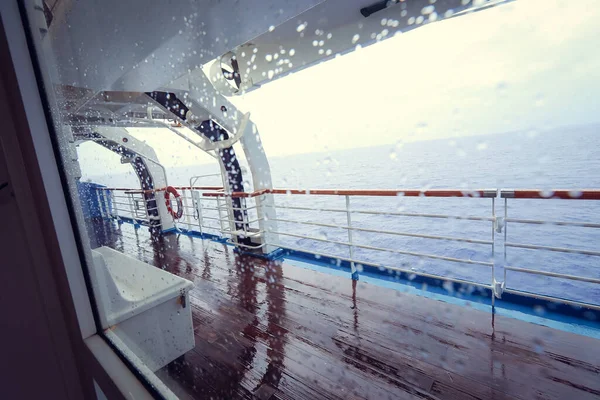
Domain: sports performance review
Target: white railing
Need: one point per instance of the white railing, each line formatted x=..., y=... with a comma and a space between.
x=122, y=204
x=211, y=214
x=210, y=210
x=352, y=245
x=217, y=213
x=353, y=219
x=556, y=196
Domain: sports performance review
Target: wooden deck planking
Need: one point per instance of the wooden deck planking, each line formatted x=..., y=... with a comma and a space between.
x=271, y=330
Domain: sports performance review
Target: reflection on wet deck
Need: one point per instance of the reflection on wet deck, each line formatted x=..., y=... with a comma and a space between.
x=268, y=330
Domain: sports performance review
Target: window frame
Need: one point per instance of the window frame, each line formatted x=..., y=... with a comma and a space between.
x=89, y=361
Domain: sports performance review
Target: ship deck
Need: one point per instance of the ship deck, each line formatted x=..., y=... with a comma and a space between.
x=270, y=330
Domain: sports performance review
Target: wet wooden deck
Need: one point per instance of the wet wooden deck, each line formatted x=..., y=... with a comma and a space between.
x=268, y=330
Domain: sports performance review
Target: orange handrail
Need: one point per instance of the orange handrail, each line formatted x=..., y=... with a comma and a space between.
x=364, y=192
x=572, y=194
x=140, y=191
x=565, y=194
x=391, y=192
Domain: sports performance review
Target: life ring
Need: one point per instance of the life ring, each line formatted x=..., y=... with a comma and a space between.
x=171, y=190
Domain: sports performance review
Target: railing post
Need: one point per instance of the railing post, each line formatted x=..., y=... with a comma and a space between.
x=100, y=205
x=114, y=206
x=132, y=211
x=505, y=236
x=245, y=218
x=142, y=210
x=185, y=209
x=351, y=248
x=231, y=219
x=493, y=285
x=200, y=213
x=220, y=216
x=107, y=211
x=197, y=201
x=266, y=213
x=228, y=220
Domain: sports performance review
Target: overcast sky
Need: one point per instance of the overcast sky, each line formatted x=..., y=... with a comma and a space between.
x=531, y=64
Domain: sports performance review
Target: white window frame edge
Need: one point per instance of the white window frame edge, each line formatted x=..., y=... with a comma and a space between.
x=119, y=375
x=48, y=166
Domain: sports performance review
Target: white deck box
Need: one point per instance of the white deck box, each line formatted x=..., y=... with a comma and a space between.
x=146, y=307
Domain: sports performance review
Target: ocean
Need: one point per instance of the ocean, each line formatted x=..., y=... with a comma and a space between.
x=562, y=158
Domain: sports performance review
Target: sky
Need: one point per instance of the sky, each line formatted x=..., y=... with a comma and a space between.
x=528, y=65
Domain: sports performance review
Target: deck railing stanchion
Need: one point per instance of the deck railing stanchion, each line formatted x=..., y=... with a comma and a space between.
x=494, y=224
x=114, y=205
x=132, y=211
x=106, y=203
x=145, y=210
x=245, y=216
x=200, y=212
x=146, y=213
x=100, y=204
x=505, y=236
x=197, y=201
x=107, y=211
x=350, y=247
x=219, y=215
x=185, y=207
x=230, y=219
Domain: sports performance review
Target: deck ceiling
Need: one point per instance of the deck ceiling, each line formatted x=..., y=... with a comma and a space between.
x=128, y=46
x=101, y=67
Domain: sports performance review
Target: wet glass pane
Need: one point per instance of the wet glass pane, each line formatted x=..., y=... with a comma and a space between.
x=333, y=199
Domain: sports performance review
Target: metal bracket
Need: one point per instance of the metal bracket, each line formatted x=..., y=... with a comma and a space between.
x=127, y=160
x=498, y=288
x=499, y=224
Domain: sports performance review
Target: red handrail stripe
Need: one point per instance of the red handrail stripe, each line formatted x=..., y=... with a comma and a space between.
x=573, y=194
x=129, y=190
x=364, y=192
x=198, y=187
x=389, y=192
x=237, y=194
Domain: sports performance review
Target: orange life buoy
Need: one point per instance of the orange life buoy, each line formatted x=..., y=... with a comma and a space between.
x=171, y=190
